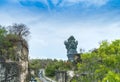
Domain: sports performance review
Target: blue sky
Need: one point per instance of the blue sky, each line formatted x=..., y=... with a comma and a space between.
x=51, y=22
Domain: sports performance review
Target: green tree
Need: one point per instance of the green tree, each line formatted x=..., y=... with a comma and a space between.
x=50, y=71
x=9, y=37
x=3, y=34
x=34, y=64
x=101, y=63
x=111, y=77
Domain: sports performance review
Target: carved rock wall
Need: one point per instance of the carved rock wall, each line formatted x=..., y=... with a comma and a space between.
x=15, y=71
x=9, y=72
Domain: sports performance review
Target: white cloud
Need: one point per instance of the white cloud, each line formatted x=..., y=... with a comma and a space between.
x=55, y=1
x=96, y=2
x=13, y=1
x=90, y=1
x=53, y=34
x=48, y=33
x=87, y=3
x=72, y=2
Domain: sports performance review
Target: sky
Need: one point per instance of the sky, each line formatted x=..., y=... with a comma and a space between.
x=51, y=22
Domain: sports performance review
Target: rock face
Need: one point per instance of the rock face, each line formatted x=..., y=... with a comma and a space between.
x=22, y=52
x=15, y=71
x=9, y=72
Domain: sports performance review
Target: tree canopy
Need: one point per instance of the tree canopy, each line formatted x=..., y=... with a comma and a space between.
x=101, y=64
x=21, y=30
x=8, y=36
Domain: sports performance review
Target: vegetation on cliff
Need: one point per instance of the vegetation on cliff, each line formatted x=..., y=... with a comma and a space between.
x=14, y=49
x=9, y=37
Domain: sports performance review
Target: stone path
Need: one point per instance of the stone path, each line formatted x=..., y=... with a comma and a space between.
x=43, y=77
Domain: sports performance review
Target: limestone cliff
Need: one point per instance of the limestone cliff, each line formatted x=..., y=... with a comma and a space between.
x=9, y=72
x=22, y=52
x=15, y=70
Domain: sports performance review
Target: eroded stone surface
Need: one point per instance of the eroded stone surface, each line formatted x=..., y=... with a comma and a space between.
x=9, y=72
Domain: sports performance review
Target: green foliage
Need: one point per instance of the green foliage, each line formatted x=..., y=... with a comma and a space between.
x=54, y=66
x=101, y=64
x=111, y=77
x=49, y=65
x=50, y=71
x=8, y=40
x=34, y=65
x=3, y=33
x=3, y=42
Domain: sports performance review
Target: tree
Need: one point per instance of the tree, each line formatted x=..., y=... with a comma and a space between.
x=9, y=37
x=21, y=30
x=34, y=64
x=111, y=77
x=50, y=71
x=101, y=64
x=3, y=34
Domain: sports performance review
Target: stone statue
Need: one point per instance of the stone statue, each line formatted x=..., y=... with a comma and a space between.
x=71, y=46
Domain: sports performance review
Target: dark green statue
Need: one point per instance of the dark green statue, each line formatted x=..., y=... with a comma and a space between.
x=71, y=46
